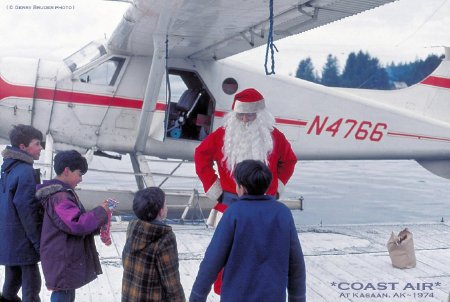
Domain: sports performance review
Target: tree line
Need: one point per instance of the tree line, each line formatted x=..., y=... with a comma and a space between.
x=361, y=70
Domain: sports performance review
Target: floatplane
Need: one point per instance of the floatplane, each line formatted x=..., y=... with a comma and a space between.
x=159, y=85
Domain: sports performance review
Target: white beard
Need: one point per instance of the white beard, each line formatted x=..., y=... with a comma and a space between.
x=251, y=140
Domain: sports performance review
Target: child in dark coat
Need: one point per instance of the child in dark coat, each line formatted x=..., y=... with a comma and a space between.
x=68, y=253
x=150, y=255
x=256, y=243
x=20, y=215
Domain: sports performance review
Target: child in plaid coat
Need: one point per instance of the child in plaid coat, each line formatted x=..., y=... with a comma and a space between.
x=150, y=255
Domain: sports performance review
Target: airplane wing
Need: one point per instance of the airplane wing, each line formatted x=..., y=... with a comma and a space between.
x=216, y=29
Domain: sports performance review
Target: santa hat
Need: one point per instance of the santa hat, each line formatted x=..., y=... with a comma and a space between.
x=248, y=101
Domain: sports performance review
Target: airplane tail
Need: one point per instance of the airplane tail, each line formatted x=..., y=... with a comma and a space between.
x=434, y=91
x=428, y=98
x=432, y=98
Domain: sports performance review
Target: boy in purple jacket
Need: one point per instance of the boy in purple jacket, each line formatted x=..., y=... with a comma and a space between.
x=256, y=243
x=69, y=257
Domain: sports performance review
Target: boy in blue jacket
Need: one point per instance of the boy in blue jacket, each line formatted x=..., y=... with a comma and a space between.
x=20, y=215
x=256, y=243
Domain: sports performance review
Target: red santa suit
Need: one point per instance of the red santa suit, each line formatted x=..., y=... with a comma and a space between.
x=266, y=143
x=281, y=162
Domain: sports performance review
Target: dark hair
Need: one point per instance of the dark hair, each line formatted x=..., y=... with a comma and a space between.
x=71, y=159
x=254, y=175
x=24, y=134
x=148, y=202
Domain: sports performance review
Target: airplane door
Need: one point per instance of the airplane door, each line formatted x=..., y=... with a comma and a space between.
x=83, y=100
x=187, y=114
x=96, y=86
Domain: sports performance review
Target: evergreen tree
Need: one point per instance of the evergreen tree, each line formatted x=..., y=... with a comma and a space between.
x=330, y=72
x=350, y=71
x=422, y=69
x=363, y=71
x=305, y=71
x=413, y=72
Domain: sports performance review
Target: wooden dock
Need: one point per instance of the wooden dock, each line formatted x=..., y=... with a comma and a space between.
x=344, y=263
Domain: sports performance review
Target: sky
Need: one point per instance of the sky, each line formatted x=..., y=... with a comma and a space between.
x=402, y=31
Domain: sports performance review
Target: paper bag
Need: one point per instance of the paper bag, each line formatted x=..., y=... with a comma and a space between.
x=401, y=249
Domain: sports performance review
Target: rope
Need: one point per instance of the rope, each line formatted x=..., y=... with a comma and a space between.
x=270, y=44
x=168, y=90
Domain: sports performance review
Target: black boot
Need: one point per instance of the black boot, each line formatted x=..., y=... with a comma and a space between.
x=3, y=299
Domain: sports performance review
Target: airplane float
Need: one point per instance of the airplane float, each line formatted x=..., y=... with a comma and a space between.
x=159, y=85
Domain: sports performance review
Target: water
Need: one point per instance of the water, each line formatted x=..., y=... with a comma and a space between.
x=341, y=192
x=334, y=192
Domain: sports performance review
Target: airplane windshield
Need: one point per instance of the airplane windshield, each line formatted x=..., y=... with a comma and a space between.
x=89, y=53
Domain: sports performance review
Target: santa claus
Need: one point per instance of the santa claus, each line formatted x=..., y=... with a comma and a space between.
x=248, y=133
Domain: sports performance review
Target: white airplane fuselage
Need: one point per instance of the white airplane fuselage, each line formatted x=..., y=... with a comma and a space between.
x=320, y=122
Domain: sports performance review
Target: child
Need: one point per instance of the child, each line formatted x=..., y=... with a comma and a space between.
x=150, y=255
x=68, y=253
x=20, y=215
x=257, y=244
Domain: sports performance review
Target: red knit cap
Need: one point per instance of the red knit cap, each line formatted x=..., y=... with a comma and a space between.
x=248, y=101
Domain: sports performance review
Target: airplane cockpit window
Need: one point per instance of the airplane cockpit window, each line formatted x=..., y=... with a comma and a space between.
x=104, y=74
x=191, y=106
x=85, y=55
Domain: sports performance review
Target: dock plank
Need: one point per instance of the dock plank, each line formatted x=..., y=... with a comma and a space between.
x=340, y=259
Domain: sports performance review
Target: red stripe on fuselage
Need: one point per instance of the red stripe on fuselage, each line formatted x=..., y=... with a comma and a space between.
x=278, y=120
x=100, y=100
x=160, y=106
x=285, y=121
x=8, y=90
x=221, y=114
x=418, y=136
x=437, y=81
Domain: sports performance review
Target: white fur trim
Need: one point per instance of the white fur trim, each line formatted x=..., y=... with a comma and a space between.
x=246, y=107
x=214, y=191
x=214, y=218
x=280, y=187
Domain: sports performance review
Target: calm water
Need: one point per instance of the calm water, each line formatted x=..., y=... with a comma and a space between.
x=339, y=192
x=334, y=192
